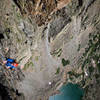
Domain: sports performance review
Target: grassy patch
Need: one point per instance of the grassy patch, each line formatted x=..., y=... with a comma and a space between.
x=57, y=52
x=71, y=73
x=7, y=31
x=65, y=62
x=27, y=65
x=57, y=71
x=16, y=13
x=13, y=6
x=18, y=40
x=91, y=52
x=37, y=58
x=21, y=59
x=71, y=37
x=79, y=46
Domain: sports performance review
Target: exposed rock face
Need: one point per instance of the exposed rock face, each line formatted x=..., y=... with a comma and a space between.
x=40, y=10
x=49, y=37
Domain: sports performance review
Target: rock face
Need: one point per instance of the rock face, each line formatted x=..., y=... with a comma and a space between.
x=40, y=10
x=54, y=41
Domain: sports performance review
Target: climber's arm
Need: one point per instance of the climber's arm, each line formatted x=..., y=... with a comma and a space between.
x=10, y=60
x=9, y=65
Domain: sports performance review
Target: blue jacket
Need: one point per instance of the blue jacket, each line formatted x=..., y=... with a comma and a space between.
x=9, y=63
x=10, y=60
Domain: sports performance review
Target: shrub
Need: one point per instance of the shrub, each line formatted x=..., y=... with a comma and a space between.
x=65, y=62
x=57, y=71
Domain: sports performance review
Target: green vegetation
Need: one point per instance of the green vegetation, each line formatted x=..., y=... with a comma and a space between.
x=18, y=40
x=37, y=58
x=85, y=19
x=13, y=6
x=72, y=73
x=71, y=78
x=7, y=31
x=18, y=15
x=65, y=62
x=71, y=37
x=57, y=71
x=79, y=47
x=97, y=76
x=27, y=65
x=91, y=69
x=92, y=51
x=91, y=59
x=16, y=12
x=57, y=52
x=21, y=59
x=98, y=66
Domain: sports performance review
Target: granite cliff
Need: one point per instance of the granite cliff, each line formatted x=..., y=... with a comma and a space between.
x=55, y=41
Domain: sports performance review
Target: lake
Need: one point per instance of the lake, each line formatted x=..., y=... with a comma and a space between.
x=69, y=92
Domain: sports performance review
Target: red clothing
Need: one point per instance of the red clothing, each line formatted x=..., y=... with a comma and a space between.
x=15, y=64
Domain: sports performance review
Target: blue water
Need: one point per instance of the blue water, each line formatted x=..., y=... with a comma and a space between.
x=69, y=92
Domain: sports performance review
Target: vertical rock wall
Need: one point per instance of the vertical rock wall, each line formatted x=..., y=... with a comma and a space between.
x=40, y=33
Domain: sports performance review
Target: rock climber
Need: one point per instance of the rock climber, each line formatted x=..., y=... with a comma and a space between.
x=10, y=63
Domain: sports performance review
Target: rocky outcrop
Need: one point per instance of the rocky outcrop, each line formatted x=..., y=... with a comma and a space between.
x=54, y=41
x=40, y=10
